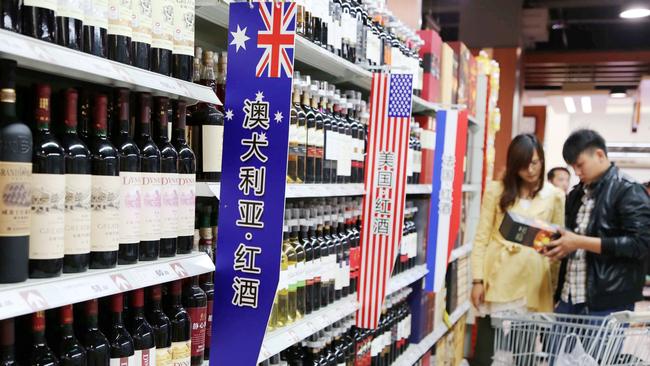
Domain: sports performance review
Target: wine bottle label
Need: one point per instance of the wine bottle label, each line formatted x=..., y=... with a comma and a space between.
x=301, y=134
x=164, y=356
x=96, y=13
x=181, y=353
x=283, y=281
x=212, y=141
x=47, y=4
x=48, y=216
x=122, y=361
x=145, y=357
x=105, y=213
x=208, y=324
x=77, y=213
x=70, y=9
x=151, y=201
x=16, y=203
x=199, y=318
x=119, y=18
x=141, y=20
x=186, y=202
x=163, y=25
x=130, y=207
x=184, y=27
x=169, y=209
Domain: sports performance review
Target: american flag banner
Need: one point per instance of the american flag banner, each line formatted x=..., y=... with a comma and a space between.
x=385, y=187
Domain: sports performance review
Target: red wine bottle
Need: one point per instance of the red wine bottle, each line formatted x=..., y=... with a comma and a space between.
x=141, y=331
x=69, y=23
x=162, y=43
x=95, y=28
x=7, y=343
x=77, y=190
x=169, y=179
x=46, y=245
x=207, y=285
x=130, y=195
x=150, y=164
x=195, y=302
x=105, y=194
x=186, y=179
x=40, y=353
x=83, y=125
x=180, y=326
x=183, y=54
x=122, y=348
x=39, y=19
x=141, y=24
x=10, y=15
x=69, y=351
x=119, y=31
x=15, y=180
x=161, y=325
x=97, y=346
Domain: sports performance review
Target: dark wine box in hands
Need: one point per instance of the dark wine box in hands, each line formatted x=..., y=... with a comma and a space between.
x=529, y=232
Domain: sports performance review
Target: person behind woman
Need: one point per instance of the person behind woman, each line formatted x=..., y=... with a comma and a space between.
x=507, y=276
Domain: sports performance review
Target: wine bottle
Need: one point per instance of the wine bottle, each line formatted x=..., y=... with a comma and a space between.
x=141, y=331
x=162, y=42
x=46, y=246
x=77, y=190
x=183, y=53
x=69, y=23
x=186, y=179
x=131, y=178
x=97, y=346
x=150, y=163
x=7, y=342
x=161, y=325
x=169, y=179
x=180, y=326
x=95, y=27
x=141, y=25
x=38, y=19
x=119, y=31
x=207, y=285
x=195, y=302
x=222, y=67
x=40, y=353
x=105, y=193
x=10, y=15
x=15, y=180
x=69, y=351
x=122, y=348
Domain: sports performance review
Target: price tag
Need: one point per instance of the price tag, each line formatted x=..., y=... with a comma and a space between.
x=97, y=286
x=42, y=54
x=312, y=328
x=11, y=305
x=293, y=336
x=16, y=46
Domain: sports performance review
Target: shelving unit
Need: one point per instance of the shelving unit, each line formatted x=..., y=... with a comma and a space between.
x=406, y=278
x=461, y=252
x=42, y=294
x=418, y=189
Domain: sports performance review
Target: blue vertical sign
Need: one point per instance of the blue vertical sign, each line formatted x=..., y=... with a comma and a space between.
x=260, y=71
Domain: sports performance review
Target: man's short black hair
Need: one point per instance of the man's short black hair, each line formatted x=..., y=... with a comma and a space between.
x=581, y=141
x=551, y=173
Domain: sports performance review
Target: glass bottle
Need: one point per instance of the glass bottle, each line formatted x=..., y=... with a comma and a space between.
x=186, y=179
x=300, y=263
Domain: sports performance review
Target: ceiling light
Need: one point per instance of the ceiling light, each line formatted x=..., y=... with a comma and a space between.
x=585, y=102
x=618, y=95
x=635, y=12
x=569, y=104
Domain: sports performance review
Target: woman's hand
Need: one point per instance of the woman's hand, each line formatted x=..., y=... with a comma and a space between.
x=478, y=294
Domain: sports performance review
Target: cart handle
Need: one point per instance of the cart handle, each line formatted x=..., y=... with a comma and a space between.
x=631, y=316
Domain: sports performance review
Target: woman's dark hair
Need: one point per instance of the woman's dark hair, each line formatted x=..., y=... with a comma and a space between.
x=520, y=155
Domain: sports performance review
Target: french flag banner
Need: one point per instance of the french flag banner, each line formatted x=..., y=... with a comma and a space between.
x=446, y=195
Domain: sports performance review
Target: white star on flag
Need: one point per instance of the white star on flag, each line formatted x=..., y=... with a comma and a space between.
x=239, y=38
x=229, y=114
x=278, y=117
x=259, y=96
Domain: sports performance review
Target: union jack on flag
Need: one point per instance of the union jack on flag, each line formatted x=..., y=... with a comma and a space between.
x=276, y=39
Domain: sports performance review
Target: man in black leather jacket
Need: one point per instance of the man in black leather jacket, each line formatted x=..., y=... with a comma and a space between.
x=605, y=251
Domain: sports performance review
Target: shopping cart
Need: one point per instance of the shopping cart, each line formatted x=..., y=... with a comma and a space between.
x=546, y=339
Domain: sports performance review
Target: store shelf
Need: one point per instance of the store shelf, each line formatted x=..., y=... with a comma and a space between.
x=53, y=59
x=415, y=351
x=406, y=278
x=418, y=189
x=294, y=190
x=472, y=187
x=460, y=252
x=421, y=106
x=281, y=339
x=42, y=294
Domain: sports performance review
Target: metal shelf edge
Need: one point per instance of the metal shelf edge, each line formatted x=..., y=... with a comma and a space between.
x=404, y=279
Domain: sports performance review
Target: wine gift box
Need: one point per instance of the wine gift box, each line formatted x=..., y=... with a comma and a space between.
x=526, y=231
x=430, y=55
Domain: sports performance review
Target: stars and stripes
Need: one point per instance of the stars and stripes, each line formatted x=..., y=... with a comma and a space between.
x=276, y=40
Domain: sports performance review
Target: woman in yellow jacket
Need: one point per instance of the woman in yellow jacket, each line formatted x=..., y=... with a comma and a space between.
x=507, y=276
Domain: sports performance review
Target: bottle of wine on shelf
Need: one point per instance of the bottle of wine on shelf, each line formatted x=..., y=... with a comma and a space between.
x=195, y=302
x=207, y=285
x=39, y=353
x=97, y=346
x=7, y=342
x=122, y=348
x=162, y=42
x=180, y=326
x=95, y=28
x=105, y=193
x=131, y=178
x=69, y=351
x=222, y=67
x=10, y=15
x=169, y=179
x=186, y=179
x=160, y=324
x=15, y=180
x=141, y=24
x=69, y=23
x=150, y=160
x=119, y=31
x=46, y=245
x=183, y=53
x=141, y=331
x=38, y=19
x=77, y=190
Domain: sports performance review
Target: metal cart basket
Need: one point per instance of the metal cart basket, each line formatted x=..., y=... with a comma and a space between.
x=540, y=339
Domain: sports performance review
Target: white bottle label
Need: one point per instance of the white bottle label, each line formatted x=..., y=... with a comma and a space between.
x=48, y=216
x=151, y=201
x=71, y=9
x=123, y=361
x=212, y=140
x=181, y=353
x=141, y=20
x=170, y=205
x=96, y=13
x=15, y=207
x=163, y=356
x=130, y=207
x=145, y=357
x=163, y=25
x=105, y=213
x=47, y=4
x=184, y=27
x=186, y=203
x=119, y=18
x=77, y=213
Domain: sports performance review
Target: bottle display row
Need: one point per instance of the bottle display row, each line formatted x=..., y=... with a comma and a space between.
x=160, y=325
x=81, y=192
x=152, y=35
